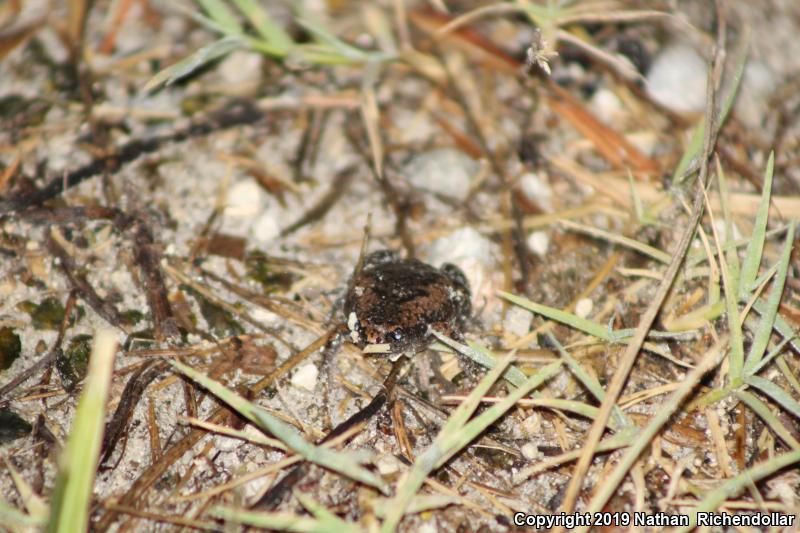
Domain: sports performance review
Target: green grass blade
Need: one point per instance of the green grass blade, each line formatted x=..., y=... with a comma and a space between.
x=189, y=64
x=787, y=372
x=735, y=485
x=413, y=479
x=485, y=358
x=776, y=393
x=765, y=325
x=736, y=354
x=731, y=89
x=587, y=326
x=222, y=16
x=343, y=463
x=775, y=352
x=763, y=411
x=265, y=25
x=731, y=256
x=688, y=163
x=72, y=495
x=589, y=382
x=755, y=246
x=331, y=42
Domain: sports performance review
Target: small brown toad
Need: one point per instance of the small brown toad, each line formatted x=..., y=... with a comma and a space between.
x=396, y=302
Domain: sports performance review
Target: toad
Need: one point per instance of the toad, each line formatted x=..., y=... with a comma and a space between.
x=394, y=303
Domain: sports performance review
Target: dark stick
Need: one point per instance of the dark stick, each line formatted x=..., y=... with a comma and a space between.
x=236, y=114
x=130, y=397
x=78, y=282
x=148, y=257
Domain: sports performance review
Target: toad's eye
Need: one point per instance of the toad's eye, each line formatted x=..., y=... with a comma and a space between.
x=397, y=335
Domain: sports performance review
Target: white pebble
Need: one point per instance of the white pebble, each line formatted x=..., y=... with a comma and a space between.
x=536, y=189
x=266, y=227
x=471, y=252
x=388, y=465
x=461, y=245
x=584, y=307
x=533, y=424
x=517, y=321
x=607, y=106
x=539, y=242
x=444, y=171
x=677, y=79
x=427, y=527
x=752, y=102
x=241, y=68
x=722, y=231
x=306, y=377
x=226, y=444
x=264, y=316
x=245, y=199
x=529, y=451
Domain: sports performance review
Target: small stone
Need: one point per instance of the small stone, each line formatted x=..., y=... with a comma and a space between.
x=533, y=424
x=607, y=106
x=241, y=69
x=266, y=227
x=584, y=307
x=444, y=171
x=226, y=444
x=529, y=451
x=388, y=465
x=471, y=252
x=677, y=79
x=752, y=102
x=539, y=242
x=306, y=377
x=517, y=321
x=245, y=199
x=537, y=189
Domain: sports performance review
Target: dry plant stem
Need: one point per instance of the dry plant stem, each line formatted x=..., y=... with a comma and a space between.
x=635, y=344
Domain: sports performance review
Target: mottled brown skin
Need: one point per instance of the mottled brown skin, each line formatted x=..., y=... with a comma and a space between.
x=397, y=302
